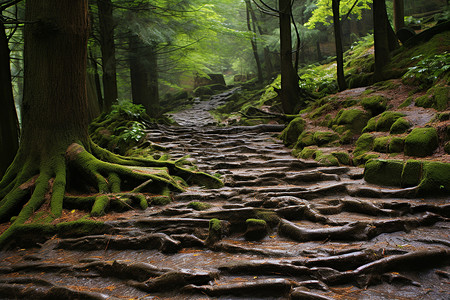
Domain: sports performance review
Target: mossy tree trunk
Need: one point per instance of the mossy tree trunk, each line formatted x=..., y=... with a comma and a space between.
x=338, y=43
x=144, y=75
x=290, y=98
x=108, y=48
x=9, y=125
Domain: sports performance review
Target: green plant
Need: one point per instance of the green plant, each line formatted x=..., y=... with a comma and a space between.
x=428, y=70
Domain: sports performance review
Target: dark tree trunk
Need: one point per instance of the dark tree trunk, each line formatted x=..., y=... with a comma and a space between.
x=381, y=39
x=9, y=125
x=105, y=15
x=144, y=75
x=338, y=43
x=289, y=78
x=399, y=14
x=253, y=40
x=98, y=87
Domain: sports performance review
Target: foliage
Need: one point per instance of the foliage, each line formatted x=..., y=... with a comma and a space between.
x=319, y=80
x=428, y=70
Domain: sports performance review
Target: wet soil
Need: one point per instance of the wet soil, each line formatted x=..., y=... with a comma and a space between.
x=328, y=234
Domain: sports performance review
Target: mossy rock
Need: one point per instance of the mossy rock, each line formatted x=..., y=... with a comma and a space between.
x=321, y=138
x=444, y=116
x=160, y=200
x=217, y=230
x=447, y=148
x=318, y=112
x=257, y=229
x=396, y=145
x=354, y=119
x=343, y=158
x=364, y=144
x=359, y=80
x=383, y=172
x=197, y=205
x=435, y=179
x=304, y=140
x=307, y=153
x=361, y=159
x=437, y=97
x=371, y=125
x=375, y=104
x=407, y=102
x=328, y=160
x=381, y=144
x=346, y=137
x=421, y=142
x=411, y=174
x=203, y=91
x=291, y=133
x=387, y=119
x=401, y=125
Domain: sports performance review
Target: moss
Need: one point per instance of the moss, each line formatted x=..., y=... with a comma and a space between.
x=444, y=116
x=361, y=159
x=421, y=142
x=214, y=225
x=386, y=120
x=339, y=128
x=437, y=97
x=291, y=133
x=203, y=90
x=375, y=104
x=383, y=172
x=100, y=204
x=256, y=229
x=401, y=125
x=321, y=138
x=386, y=85
x=381, y=144
x=307, y=153
x=160, y=200
x=197, y=205
x=256, y=222
x=364, y=144
x=447, y=148
x=354, y=119
x=327, y=160
x=359, y=80
x=411, y=174
x=396, y=145
x=435, y=179
x=318, y=112
x=371, y=125
x=270, y=217
x=407, y=102
x=343, y=158
x=346, y=137
x=304, y=140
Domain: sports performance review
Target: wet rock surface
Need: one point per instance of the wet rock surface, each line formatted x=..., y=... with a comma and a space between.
x=327, y=233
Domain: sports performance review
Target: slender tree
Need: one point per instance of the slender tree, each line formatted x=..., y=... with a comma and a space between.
x=250, y=22
x=399, y=14
x=381, y=38
x=338, y=44
x=9, y=125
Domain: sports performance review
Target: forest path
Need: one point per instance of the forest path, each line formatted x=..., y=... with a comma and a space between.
x=327, y=234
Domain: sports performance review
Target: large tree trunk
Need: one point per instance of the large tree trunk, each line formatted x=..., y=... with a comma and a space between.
x=108, y=48
x=399, y=14
x=380, y=29
x=289, y=78
x=9, y=125
x=144, y=75
x=338, y=43
x=253, y=39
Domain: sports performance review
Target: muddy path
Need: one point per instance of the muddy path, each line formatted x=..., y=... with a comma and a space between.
x=325, y=233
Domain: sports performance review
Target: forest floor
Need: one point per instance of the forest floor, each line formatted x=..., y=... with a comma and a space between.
x=280, y=228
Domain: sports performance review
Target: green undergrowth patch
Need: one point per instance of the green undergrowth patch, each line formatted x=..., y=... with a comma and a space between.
x=197, y=205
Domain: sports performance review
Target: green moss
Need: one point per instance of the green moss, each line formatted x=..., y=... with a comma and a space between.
x=381, y=144
x=256, y=222
x=160, y=200
x=346, y=137
x=411, y=174
x=291, y=133
x=435, y=179
x=407, y=102
x=359, y=80
x=383, y=172
x=215, y=225
x=304, y=140
x=437, y=97
x=354, y=119
x=199, y=205
x=386, y=120
x=318, y=112
x=307, y=153
x=203, y=90
x=361, y=159
x=421, y=142
x=100, y=204
x=386, y=85
x=270, y=217
x=371, y=125
x=343, y=158
x=339, y=128
x=327, y=160
x=444, y=116
x=396, y=145
x=364, y=144
x=321, y=138
x=401, y=125
x=375, y=104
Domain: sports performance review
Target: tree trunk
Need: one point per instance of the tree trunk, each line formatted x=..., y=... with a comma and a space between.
x=9, y=125
x=253, y=41
x=98, y=87
x=399, y=14
x=380, y=29
x=338, y=43
x=289, y=77
x=105, y=15
x=144, y=75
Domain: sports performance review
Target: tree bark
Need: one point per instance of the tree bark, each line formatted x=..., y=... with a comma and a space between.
x=399, y=14
x=9, y=125
x=380, y=29
x=338, y=43
x=289, y=78
x=253, y=40
x=105, y=15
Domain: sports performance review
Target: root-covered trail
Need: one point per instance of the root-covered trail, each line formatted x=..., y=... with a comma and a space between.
x=282, y=228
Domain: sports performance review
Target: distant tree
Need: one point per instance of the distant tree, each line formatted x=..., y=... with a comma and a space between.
x=399, y=14
x=338, y=43
x=9, y=125
x=251, y=26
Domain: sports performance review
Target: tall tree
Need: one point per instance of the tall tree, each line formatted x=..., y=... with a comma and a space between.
x=399, y=14
x=9, y=125
x=338, y=44
x=381, y=38
x=55, y=145
x=108, y=48
x=252, y=28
